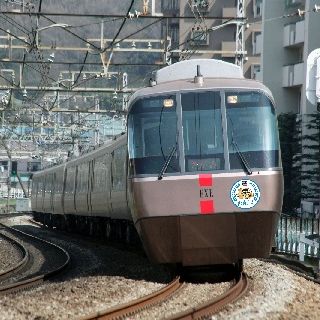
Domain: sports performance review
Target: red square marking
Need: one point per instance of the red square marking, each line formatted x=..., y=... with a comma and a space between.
x=206, y=206
x=205, y=180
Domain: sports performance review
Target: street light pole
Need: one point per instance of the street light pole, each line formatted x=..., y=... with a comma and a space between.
x=59, y=25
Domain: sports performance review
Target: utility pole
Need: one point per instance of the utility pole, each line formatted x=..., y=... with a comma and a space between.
x=97, y=123
x=9, y=172
x=240, y=45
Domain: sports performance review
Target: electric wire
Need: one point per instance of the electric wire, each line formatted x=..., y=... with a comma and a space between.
x=81, y=69
x=74, y=34
x=17, y=87
x=88, y=15
x=14, y=23
x=14, y=36
x=121, y=27
x=94, y=23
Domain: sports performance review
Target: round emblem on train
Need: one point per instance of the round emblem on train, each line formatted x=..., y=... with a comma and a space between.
x=245, y=194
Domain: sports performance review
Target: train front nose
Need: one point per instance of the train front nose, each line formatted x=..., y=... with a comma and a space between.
x=192, y=219
x=205, y=173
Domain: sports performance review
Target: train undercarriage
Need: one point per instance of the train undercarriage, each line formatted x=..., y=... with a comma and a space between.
x=123, y=231
x=98, y=227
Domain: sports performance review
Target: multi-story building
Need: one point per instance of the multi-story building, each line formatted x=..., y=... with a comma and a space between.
x=290, y=33
x=204, y=37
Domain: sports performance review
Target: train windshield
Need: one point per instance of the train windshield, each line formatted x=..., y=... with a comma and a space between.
x=202, y=131
x=153, y=135
x=252, y=128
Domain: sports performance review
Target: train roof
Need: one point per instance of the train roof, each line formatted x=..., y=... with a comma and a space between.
x=105, y=148
x=209, y=68
x=208, y=84
x=109, y=146
x=49, y=170
x=216, y=75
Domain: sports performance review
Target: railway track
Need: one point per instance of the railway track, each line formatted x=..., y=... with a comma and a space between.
x=137, y=305
x=22, y=278
x=24, y=258
x=198, y=312
x=215, y=305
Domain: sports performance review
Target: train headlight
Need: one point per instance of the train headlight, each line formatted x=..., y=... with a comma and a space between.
x=168, y=103
x=232, y=99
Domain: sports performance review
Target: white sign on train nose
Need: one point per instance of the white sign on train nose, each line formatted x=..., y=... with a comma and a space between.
x=313, y=77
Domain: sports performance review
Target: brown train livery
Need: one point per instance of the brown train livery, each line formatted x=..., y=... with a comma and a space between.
x=198, y=174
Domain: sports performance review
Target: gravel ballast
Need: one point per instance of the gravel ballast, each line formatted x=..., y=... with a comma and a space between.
x=276, y=293
x=103, y=276
x=10, y=255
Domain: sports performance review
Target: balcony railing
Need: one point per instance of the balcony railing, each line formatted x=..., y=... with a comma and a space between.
x=229, y=12
x=293, y=75
x=293, y=34
x=228, y=48
x=257, y=44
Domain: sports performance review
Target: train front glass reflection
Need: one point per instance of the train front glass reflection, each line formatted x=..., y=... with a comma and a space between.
x=201, y=145
x=153, y=134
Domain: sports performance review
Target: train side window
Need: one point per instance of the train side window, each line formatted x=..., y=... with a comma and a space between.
x=50, y=180
x=59, y=182
x=82, y=177
x=49, y=184
x=85, y=177
x=46, y=185
x=79, y=179
x=34, y=189
x=39, y=187
x=66, y=191
x=119, y=168
x=99, y=174
x=70, y=180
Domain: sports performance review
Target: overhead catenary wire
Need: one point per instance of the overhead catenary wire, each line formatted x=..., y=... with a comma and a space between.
x=74, y=34
x=19, y=88
x=120, y=29
x=115, y=42
x=94, y=23
x=88, y=15
x=87, y=63
x=15, y=24
x=16, y=37
x=81, y=69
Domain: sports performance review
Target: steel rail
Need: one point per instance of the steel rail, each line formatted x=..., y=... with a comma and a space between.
x=25, y=256
x=35, y=280
x=126, y=309
x=211, y=307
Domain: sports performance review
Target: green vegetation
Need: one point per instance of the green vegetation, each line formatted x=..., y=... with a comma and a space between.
x=289, y=133
x=3, y=202
x=300, y=151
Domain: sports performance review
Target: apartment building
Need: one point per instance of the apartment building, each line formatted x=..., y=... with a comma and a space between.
x=287, y=40
x=203, y=37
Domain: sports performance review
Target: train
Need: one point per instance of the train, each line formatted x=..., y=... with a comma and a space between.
x=197, y=175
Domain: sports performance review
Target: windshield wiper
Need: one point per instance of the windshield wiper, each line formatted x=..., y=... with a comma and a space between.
x=166, y=163
x=242, y=157
x=239, y=153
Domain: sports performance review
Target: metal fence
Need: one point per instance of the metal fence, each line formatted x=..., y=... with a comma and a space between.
x=288, y=234
x=15, y=193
